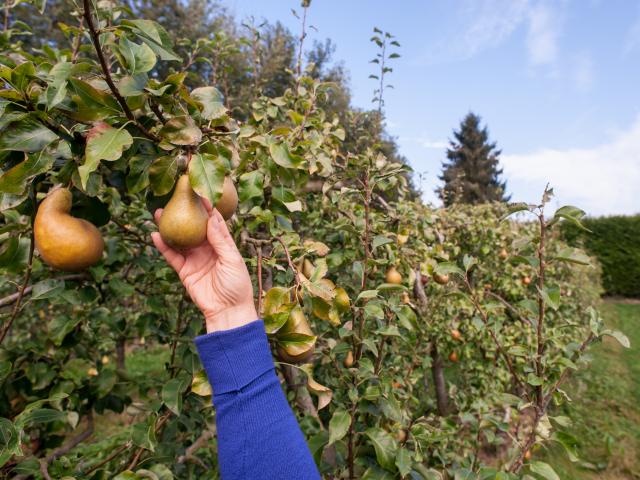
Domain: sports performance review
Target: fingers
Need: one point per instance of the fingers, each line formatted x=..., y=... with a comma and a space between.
x=157, y=214
x=220, y=238
x=173, y=258
x=207, y=205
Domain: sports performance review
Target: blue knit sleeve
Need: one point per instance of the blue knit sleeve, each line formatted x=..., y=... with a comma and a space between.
x=258, y=435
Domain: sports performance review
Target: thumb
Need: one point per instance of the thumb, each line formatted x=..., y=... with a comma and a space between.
x=219, y=237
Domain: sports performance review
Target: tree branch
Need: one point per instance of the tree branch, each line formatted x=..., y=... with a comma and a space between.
x=10, y=299
x=27, y=275
x=107, y=72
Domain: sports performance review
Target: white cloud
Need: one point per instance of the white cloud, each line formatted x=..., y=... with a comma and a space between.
x=542, y=37
x=601, y=180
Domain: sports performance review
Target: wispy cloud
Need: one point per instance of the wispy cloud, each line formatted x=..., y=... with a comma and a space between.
x=601, y=180
x=485, y=24
x=543, y=33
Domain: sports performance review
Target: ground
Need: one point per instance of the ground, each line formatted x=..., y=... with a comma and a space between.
x=606, y=407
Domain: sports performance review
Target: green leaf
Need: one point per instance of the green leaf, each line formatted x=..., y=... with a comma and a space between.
x=515, y=208
x=251, y=185
x=181, y=130
x=281, y=155
x=379, y=240
x=41, y=415
x=144, y=434
x=551, y=295
x=9, y=441
x=5, y=369
x=14, y=181
x=57, y=88
x=172, y=392
x=403, y=461
x=154, y=35
x=211, y=101
x=384, y=446
x=572, y=214
x=206, y=175
x=573, y=255
x=619, y=336
x=47, y=288
x=534, y=380
x=445, y=268
x=544, y=470
x=96, y=103
x=339, y=425
x=162, y=174
x=138, y=58
x=26, y=136
x=60, y=326
x=103, y=143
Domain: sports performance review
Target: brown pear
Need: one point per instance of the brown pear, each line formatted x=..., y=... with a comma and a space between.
x=297, y=323
x=183, y=224
x=229, y=200
x=65, y=242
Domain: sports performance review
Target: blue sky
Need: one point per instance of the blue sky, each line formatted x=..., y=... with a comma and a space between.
x=557, y=82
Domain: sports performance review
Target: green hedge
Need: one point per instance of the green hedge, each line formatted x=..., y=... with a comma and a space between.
x=615, y=241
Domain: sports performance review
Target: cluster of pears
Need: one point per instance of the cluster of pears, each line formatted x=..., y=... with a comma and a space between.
x=183, y=223
x=65, y=242
x=73, y=244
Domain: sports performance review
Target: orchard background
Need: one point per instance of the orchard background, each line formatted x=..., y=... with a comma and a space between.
x=461, y=369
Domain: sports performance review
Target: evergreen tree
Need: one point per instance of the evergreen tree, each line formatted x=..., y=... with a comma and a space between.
x=471, y=174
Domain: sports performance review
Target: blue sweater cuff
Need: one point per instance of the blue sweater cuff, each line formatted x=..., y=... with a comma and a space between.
x=234, y=358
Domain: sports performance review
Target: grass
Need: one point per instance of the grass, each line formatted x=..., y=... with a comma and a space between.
x=606, y=407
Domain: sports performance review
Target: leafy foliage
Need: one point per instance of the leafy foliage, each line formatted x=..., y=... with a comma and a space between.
x=614, y=242
x=323, y=215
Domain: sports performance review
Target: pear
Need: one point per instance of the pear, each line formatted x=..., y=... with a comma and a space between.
x=65, y=242
x=297, y=323
x=229, y=200
x=348, y=360
x=183, y=224
x=393, y=276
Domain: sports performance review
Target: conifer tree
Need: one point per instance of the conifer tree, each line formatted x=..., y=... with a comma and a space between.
x=471, y=173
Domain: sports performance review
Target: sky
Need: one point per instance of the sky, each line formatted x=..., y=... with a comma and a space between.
x=557, y=82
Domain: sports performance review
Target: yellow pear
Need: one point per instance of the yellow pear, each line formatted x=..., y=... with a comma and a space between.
x=348, y=360
x=229, y=200
x=183, y=224
x=393, y=276
x=65, y=242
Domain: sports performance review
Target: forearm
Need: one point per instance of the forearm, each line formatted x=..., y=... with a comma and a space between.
x=258, y=434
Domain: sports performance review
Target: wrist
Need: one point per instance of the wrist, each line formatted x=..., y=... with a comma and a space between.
x=230, y=317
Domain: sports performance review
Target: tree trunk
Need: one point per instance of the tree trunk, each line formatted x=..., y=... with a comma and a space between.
x=439, y=382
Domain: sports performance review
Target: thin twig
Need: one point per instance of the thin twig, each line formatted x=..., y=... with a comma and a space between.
x=290, y=262
x=176, y=337
x=501, y=351
x=10, y=299
x=120, y=449
x=27, y=275
x=75, y=441
x=107, y=73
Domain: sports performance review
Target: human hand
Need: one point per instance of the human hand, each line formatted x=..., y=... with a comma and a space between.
x=214, y=275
